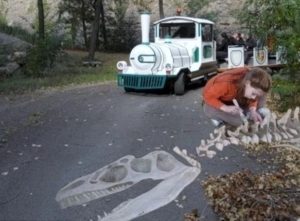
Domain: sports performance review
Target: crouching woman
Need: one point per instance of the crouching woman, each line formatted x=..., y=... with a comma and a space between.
x=248, y=86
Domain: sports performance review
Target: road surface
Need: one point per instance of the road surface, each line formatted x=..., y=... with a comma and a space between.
x=51, y=138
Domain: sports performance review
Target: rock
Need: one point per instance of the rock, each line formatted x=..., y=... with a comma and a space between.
x=3, y=72
x=11, y=68
x=13, y=53
x=26, y=11
x=12, y=44
x=19, y=57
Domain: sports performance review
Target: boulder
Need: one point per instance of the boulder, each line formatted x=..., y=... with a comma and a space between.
x=13, y=44
x=13, y=53
x=12, y=67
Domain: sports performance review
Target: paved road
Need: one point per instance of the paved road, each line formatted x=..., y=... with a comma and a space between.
x=52, y=138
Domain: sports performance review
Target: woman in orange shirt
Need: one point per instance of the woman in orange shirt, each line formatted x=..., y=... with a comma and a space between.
x=247, y=86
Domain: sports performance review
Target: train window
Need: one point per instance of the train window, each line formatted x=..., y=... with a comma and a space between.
x=178, y=30
x=207, y=51
x=207, y=32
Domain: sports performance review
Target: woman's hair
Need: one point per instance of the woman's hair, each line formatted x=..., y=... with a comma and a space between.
x=258, y=78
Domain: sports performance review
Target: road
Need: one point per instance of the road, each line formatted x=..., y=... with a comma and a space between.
x=51, y=138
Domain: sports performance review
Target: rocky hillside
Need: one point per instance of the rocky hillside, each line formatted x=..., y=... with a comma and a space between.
x=22, y=12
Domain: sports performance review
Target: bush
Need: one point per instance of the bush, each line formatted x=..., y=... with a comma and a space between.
x=42, y=56
x=285, y=94
x=122, y=36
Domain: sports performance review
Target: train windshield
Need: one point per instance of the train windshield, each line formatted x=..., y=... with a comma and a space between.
x=177, y=30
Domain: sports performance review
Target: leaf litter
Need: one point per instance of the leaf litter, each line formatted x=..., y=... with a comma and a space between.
x=270, y=195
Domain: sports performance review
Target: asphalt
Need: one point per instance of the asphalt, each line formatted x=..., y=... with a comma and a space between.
x=51, y=138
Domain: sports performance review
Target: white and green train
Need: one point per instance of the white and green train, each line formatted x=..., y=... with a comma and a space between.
x=184, y=50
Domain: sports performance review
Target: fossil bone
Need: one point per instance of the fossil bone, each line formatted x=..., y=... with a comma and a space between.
x=183, y=154
x=271, y=130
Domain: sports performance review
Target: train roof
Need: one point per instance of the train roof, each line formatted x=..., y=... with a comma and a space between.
x=182, y=19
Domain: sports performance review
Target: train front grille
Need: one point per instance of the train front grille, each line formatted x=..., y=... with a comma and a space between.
x=141, y=81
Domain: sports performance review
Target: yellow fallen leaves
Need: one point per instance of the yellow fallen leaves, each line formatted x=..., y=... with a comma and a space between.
x=246, y=196
x=272, y=195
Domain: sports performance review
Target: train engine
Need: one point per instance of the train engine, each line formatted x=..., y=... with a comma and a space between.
x=184, y=50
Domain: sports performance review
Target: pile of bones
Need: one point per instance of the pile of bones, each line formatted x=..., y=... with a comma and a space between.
x=272, y=130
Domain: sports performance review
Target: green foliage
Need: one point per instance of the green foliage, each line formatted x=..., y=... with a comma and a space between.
x=50, y=16
x=276, y=20
x=2, y=18
x=67, y=70
x=73, y=13
x=122, y=35
x=42, y=56
x=285, y=94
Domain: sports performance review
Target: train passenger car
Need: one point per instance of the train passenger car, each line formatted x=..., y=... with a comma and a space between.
x=184, y=50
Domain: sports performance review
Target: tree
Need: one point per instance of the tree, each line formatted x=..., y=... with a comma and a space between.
x=161, y=8
x=277, y=20
x=42, y=55
x=103, y=25
x=41, y=19
x=77, y=14
x=122, y=32
x=83, y=21
x=95, y=30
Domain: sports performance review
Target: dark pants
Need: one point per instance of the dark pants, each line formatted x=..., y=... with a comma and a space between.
x=248, y=55
x=221, y=56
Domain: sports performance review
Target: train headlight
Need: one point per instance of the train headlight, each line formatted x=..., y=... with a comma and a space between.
x=121, y=65
x=168, y=68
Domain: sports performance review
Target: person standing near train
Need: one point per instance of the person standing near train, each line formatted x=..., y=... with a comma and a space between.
x=222, y=48
x=248, y=87
x=239, y=40
x=250, y=44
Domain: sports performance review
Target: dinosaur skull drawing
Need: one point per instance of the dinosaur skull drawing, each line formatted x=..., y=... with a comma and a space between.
x=126, y=172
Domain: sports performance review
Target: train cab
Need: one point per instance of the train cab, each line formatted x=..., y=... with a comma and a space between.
x=183, y=50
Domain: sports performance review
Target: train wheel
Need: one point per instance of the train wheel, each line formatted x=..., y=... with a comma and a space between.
x=179, y=85
x=126, y=89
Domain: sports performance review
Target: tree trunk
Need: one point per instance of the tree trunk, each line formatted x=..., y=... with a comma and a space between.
x=41, y=19
x=83, y=19
x=103, y=24
x=95, y=31
x=161, y=8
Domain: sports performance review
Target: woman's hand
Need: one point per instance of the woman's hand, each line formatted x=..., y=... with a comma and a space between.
x=255, y=116
x=231, y=109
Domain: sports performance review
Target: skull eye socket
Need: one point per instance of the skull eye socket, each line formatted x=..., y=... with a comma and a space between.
x=164, y=162
x=141, y=165
x=114, y=174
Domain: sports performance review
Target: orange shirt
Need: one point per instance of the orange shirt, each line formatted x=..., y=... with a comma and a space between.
x=222, y=88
